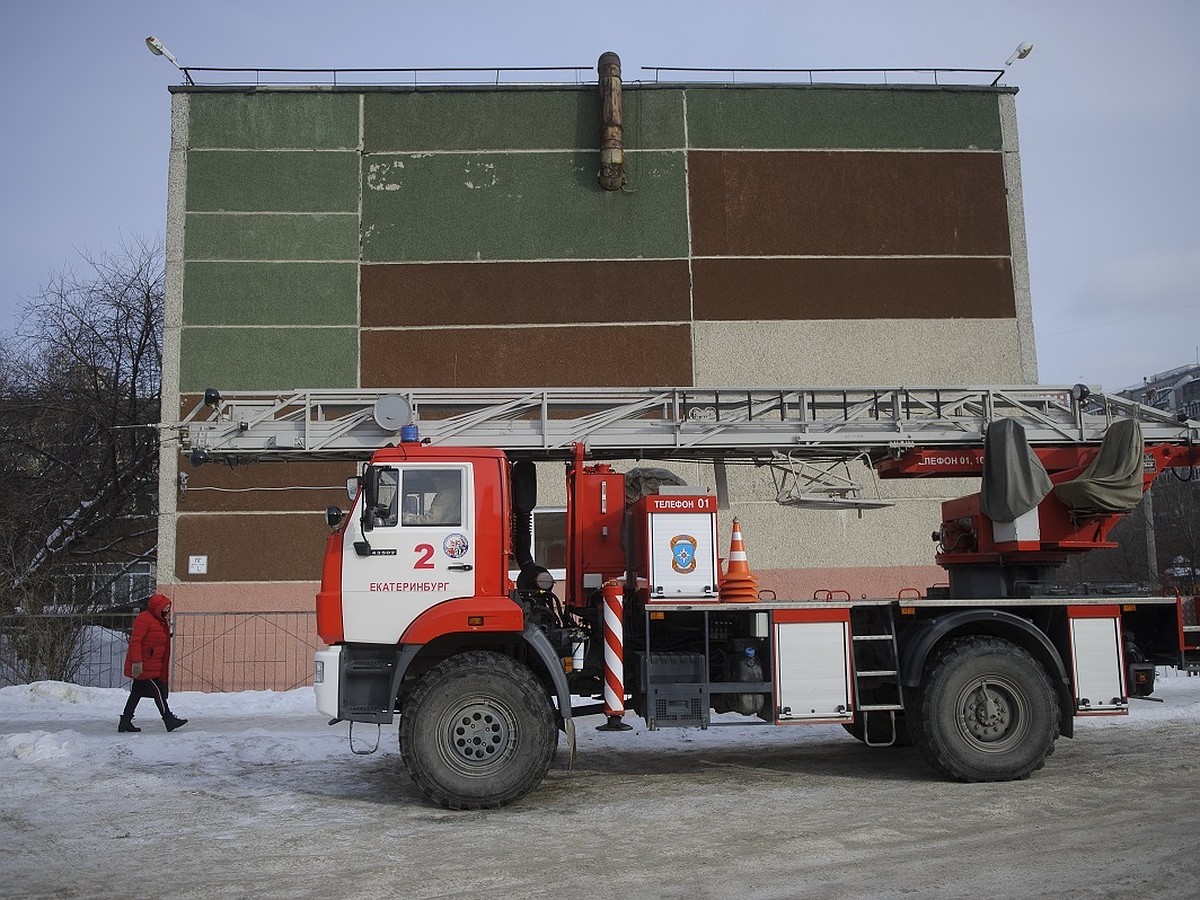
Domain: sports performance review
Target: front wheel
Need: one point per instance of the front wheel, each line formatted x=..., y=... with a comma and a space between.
x=987, y=712
x=477, y=731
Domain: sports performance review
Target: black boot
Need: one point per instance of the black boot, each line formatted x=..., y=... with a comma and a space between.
x=127, y=724
x=172, y=721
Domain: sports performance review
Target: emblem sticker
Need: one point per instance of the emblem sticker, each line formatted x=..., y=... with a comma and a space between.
x=683, y=553
x=456, y=545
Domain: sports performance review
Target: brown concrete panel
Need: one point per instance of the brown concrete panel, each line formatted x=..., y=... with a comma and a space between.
x=946, y=288
x=250, y=547
x=265, y=487
x=847, y=203
x=588, y=356
x=559, y=292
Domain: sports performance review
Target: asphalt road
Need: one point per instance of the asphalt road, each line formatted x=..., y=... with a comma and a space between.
x=274, y=805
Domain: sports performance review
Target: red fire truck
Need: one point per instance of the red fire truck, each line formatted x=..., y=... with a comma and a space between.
x=424, y=620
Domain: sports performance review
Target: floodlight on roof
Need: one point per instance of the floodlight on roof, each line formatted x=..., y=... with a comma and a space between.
x=155, y=46
x=1022, y=51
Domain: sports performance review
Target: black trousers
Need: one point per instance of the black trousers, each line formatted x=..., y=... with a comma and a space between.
x=154, y=688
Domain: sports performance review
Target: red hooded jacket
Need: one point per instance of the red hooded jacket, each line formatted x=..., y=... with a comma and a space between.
x=150, y=642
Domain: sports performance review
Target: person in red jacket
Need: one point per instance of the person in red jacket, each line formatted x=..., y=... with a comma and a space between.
x=148, y=663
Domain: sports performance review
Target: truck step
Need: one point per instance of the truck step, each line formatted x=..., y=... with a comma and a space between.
x=871, y=637
x=881, y=707
x=876, y=673
x=369, y=665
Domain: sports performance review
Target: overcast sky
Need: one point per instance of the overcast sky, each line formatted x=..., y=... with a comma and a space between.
x=1108, y=114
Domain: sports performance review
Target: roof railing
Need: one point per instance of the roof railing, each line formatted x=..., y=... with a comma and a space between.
x=517, y=75
x=933, y=75
x=460, y=75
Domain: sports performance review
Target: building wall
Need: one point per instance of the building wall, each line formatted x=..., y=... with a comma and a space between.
x=768, y=235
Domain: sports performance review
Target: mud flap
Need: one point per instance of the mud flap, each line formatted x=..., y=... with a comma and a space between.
x=536, y=638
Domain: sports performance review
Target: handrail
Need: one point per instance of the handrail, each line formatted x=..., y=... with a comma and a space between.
x=936, y=71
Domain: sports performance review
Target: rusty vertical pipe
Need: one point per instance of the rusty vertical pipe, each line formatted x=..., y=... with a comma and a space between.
x=612, y=146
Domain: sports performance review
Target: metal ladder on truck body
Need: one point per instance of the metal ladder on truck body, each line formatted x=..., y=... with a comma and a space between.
x=876, y=666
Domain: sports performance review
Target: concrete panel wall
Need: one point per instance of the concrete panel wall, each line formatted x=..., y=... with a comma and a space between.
x=768, y=235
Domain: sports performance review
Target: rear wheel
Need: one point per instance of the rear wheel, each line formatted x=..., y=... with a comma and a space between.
x=477, y=731
x=987, y=712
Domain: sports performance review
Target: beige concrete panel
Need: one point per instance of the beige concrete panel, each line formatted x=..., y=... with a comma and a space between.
x=238, y=596
x=168, y=454
x=786, y=538
x=758, y=484
x=823, y=352
x=1023, y=295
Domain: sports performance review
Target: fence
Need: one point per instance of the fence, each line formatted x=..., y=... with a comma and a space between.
x=86, y=649
x=241, y=651
x=233, y=651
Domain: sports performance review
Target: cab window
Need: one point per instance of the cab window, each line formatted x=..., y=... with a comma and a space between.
x=432, y=497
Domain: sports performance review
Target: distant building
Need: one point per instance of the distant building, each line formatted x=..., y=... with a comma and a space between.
x=1176, y=390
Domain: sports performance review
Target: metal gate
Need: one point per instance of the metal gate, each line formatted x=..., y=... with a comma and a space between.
x=243, y=651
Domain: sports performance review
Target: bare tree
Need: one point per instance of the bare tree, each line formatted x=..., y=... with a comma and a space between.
x=1177, y=525
x=79, y=396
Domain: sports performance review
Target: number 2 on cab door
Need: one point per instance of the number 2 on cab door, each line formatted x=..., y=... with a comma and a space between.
x=424, y=556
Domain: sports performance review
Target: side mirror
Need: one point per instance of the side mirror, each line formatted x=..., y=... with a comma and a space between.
x=352, y=487
x=333, y=516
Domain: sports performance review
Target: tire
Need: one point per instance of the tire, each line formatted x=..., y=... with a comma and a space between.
x=477, y=731
x=986, y=712
x=881, y=730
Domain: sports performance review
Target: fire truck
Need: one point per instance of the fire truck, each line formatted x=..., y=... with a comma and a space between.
x=435, y=611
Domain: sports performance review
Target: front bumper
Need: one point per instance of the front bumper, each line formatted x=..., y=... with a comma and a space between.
x=327, y=680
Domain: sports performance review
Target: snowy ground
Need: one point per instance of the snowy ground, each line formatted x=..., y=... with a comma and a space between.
x=258, y=797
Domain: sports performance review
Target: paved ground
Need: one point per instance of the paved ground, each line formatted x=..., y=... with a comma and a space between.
x=272, y=804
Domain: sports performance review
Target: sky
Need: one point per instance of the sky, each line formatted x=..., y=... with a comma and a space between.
x=1108, y=115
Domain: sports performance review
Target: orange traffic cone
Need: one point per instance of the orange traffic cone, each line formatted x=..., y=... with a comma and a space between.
x=738, y=584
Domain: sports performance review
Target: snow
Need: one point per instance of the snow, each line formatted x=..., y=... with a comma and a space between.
x=260, y=776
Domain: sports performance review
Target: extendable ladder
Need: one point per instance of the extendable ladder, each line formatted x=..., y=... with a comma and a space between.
x=735, y=424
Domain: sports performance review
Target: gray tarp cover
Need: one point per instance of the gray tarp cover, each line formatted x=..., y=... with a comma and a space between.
x=1014, y=479
x=1113, y=482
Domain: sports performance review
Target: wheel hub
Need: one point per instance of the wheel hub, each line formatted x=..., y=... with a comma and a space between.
x=990, y=714
x=478, y=734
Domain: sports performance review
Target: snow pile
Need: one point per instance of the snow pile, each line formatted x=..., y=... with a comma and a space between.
x=36, y=746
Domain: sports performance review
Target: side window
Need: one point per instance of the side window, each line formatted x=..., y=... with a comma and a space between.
x=432, y=497
x=550, y=538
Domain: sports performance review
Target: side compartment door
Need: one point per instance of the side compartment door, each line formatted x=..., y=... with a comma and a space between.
x=812, y=666
x=1097, y=660
x=419, y=552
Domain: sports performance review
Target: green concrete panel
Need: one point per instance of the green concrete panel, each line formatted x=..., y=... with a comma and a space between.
x=521, y=206
x=481, y=120
x=653, y=119
x=286, y=236
x=249, y=181
x=515, y=120
x=273, y=120
x=252, y=293
x=268, y=359
x=830, y=118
